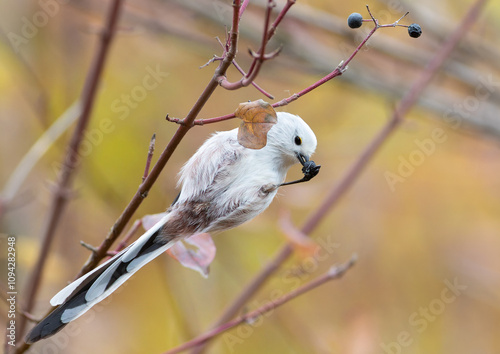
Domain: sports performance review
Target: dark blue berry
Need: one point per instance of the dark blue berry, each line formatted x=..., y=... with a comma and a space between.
x=355, y=20
x=414, y=30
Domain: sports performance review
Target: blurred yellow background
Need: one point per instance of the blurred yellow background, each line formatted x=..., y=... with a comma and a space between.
x=424, y=218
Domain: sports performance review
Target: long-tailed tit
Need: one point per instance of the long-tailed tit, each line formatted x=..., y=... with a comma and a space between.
x=223, y=185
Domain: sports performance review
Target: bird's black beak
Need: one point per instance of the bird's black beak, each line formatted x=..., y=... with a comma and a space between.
x=309, y=169
x=302, y=159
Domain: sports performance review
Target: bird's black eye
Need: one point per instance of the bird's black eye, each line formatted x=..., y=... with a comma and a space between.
x=298, y=140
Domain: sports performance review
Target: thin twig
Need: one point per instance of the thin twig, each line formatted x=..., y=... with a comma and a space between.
x=259, y=59
x=277, y=21
x=354, y=172
x=128, y=236
x=333, y=273
x=88, y=246
x=254, y=84
x=59, y=200
x=214, y=120
x=150, y=157
x=260, y=56
x=339, y=70
x=243, y=7
x=242, y=72
x=373, y=18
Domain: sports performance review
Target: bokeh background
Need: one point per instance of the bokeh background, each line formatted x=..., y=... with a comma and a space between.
x=427, y=279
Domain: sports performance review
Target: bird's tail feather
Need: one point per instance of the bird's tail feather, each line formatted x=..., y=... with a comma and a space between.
x=79, y=296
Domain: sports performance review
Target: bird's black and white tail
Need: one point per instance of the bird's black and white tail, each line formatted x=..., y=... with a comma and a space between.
x=79, y=296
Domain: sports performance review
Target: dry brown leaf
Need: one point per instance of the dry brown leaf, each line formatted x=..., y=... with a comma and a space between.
x=258, y=117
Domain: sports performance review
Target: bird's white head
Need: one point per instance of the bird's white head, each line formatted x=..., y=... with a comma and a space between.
x=293, y=138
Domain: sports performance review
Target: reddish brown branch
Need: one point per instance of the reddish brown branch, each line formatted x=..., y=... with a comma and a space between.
x=260, y=56
x=280, y=17
x=258, y=59
x=242, y=72
x=254, y=84
x=150, y=156
x=71, y=159
x=334, y=273
x=126, y=239
x=243, y=7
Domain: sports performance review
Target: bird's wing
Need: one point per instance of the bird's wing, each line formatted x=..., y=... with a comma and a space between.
x=212, y=161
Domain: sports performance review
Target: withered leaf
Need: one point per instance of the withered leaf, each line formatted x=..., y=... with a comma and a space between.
x=195, y=252
x=257, y=118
